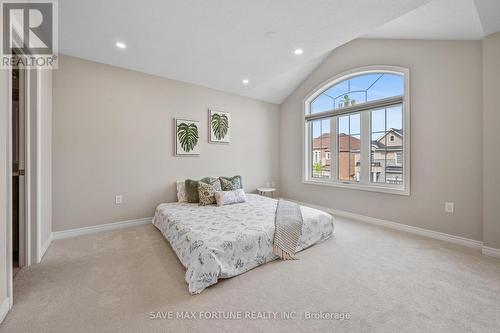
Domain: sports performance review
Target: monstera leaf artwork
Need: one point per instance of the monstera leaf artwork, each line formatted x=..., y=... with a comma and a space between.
x=187, y=137
x=220, y=126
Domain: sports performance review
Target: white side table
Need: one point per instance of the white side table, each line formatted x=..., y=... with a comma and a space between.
x=265, y=190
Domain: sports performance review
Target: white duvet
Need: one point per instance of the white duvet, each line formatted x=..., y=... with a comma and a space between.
x=221, y=242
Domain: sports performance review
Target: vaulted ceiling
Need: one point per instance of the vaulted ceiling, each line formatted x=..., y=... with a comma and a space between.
x=445, y=19
x=218, y=43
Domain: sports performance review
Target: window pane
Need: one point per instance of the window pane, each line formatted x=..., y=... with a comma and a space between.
x=348, y=138
x=389, y=85
x=316, y=143
x=338, y=90
x=395, y=117
x=326, y=162
x=377, y=170
x=355, y=166
x=321, y=103
x=387, y=146
x=394, y=142
x=359, y=89
x=363, y=82
x=355, y=124
x=321, y=154
x=378, y=121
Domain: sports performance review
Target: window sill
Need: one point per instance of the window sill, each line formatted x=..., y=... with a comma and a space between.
x=360, y=187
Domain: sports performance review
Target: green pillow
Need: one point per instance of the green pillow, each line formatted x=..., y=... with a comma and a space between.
x=215, y=182
x=227, y=185
x=192, y=191
x=192, y=187
x=236, y=183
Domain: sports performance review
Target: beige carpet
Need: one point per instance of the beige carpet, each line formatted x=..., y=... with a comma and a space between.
x=388, y=281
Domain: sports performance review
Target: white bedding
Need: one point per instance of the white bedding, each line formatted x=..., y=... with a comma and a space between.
x=221, y=242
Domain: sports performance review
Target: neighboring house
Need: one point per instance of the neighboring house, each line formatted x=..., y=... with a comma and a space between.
x=387, y=157
x=349, y=147
x=322, y=164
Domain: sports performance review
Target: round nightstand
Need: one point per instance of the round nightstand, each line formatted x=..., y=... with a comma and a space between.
x=264, y=190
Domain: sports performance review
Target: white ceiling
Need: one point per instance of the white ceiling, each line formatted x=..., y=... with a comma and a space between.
x=445, y=19
x=217, y=43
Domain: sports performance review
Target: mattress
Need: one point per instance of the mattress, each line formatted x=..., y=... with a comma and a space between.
x=221, y=242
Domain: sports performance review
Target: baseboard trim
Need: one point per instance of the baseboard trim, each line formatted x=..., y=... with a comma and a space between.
x=4, y=309
x=45, y=247
x=472, y=243
x=99, y=228
x=491, y=251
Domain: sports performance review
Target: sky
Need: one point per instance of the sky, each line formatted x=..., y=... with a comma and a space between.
x=374, y=86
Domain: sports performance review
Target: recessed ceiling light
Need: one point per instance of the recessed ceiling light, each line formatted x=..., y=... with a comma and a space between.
x=298, y=51
x=121, y=45
x=245, y=81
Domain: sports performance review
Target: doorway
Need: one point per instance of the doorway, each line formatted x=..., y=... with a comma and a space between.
x=24, y=172
x=18, y=150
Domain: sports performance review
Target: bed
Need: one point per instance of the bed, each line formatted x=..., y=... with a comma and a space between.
x=221, y=242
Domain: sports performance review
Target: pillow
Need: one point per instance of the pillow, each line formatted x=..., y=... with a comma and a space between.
x=235, y=181
x=192, y=187
x=181, y=191
x=206, y=193
x=227, y=185
x=230, y=197
x=192, y=190
x=214, y=181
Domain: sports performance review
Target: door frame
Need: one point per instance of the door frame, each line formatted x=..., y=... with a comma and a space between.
x=31, y=232
x=8, y=150
x=23, y=185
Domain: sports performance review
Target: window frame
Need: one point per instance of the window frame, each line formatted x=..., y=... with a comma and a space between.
x=365, y=183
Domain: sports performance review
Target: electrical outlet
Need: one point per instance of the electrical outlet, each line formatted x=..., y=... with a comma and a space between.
x=449, y=207
x=119, y=199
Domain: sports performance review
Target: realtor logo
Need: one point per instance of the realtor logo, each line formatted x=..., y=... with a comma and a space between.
x=29, y=34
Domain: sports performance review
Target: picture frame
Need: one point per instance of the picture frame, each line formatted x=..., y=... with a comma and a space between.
x=219, y=126
x=187, y=137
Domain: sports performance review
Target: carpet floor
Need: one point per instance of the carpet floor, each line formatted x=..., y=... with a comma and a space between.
x=365, y=279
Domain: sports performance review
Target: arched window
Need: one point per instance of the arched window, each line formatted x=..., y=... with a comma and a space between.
x=361, y=120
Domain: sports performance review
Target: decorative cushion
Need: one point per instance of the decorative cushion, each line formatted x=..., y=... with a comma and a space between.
x=214, y=181
x=192, y=187
x=206, y=193
x=181, y=191
x=227, y=185
x=230, y=197
x=192, y=190
x=236, y=183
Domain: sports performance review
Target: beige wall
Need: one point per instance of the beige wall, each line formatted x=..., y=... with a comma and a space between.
x=446, y=140
x=113, y=134
x=491, y=140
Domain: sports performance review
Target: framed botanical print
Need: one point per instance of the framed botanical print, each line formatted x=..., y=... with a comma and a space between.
x=187, y=137
x=219, y=124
